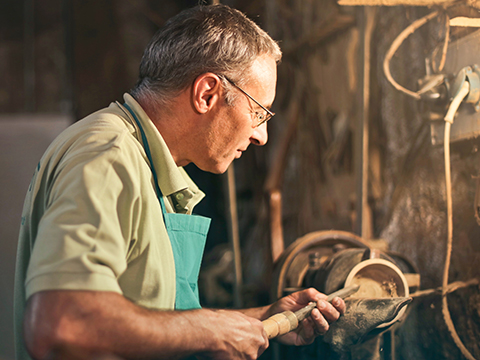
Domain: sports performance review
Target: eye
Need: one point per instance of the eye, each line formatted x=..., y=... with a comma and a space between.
x=260, y=116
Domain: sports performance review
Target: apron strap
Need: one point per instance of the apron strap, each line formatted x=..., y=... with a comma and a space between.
x=187, y=236
x=149, y=156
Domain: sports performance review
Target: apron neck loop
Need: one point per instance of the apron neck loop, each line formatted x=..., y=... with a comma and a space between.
x=149, y=156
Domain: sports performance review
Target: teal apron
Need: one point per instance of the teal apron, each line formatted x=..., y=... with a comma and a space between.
x=187, y=234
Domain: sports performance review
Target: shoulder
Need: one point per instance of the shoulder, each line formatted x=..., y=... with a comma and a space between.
x=94, y=148
x=105, y=132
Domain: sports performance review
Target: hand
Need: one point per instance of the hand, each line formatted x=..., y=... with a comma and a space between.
x=237, y=336
x=319, y=320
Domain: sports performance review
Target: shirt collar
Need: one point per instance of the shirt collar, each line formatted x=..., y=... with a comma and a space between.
x=171, y=178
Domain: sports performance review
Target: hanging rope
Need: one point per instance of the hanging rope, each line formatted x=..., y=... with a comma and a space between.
x=409, y=30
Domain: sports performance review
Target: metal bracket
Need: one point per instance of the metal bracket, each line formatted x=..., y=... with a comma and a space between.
x=472, y=75
x=467, y=125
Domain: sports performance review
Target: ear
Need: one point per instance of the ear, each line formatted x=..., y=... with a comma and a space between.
x=206, y=91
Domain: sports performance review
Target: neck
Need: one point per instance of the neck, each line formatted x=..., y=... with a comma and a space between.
x=172, y=124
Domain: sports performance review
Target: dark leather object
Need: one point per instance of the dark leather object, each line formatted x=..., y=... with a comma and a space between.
x=361, y=321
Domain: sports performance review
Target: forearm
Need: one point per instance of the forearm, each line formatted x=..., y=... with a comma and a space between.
x=62, y=319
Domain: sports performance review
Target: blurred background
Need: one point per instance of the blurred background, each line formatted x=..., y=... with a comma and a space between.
x=347, y=152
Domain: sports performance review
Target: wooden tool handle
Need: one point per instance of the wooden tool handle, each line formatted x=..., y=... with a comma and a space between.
x=280, y=324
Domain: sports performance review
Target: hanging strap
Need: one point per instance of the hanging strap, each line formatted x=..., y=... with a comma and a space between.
x=149, y=156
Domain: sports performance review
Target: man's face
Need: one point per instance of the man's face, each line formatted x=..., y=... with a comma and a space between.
x=234, y=127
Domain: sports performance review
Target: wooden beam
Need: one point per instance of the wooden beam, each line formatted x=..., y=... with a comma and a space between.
x=465, y=21
x=274, y=181
x=394, y=2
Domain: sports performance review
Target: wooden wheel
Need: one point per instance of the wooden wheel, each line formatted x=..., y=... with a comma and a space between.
x=292, y=265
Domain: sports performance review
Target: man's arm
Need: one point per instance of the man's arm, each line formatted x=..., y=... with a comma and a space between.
x=107, y=323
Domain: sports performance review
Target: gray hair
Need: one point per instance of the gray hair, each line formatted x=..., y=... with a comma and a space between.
x=214, y=38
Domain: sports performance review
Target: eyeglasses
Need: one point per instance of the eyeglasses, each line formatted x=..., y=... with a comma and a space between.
x=261, y=117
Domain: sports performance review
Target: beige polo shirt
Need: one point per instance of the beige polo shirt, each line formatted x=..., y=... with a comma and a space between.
x=91, y=218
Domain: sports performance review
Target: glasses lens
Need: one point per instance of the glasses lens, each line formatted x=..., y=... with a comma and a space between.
x=263, y=118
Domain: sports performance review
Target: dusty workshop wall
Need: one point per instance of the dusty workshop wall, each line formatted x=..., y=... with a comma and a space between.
x=318, y=76
x=412, y=211
x=407, y=186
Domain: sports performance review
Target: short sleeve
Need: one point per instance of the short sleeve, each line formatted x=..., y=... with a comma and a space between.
x=84, y=232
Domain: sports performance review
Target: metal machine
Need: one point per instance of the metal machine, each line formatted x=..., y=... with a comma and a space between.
x=331, y=260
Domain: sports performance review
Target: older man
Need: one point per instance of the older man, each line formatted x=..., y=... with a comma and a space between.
x=109, y=250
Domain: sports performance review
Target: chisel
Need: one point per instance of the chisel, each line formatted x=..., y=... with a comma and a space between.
x=284, y=322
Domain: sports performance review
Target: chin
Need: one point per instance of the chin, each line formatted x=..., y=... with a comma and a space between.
x=218, y=168
x=216, y=165
x=221, y=169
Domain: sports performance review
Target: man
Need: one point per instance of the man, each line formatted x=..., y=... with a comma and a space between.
x=109, y=251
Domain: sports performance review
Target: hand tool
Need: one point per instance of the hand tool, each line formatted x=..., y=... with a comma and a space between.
x=284, y=322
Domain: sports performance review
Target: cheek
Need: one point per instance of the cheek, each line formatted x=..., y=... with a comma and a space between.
x=237, y=127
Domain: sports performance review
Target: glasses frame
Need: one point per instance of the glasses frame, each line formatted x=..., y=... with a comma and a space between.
x=269, y=115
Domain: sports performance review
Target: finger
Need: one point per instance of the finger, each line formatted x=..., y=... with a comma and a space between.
x=339, y=304
x=308, y=332
x=266, y=342
x=328, y=311
x=265, y=345
x=308, y=328
x=308, y=295
x=319, y=323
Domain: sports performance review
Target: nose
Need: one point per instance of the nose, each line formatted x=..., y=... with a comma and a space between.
x=260, y=135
